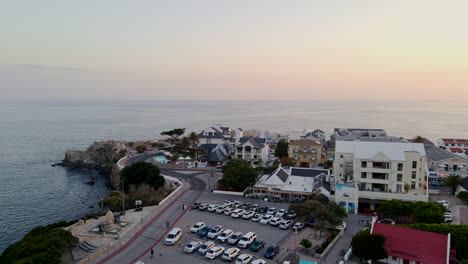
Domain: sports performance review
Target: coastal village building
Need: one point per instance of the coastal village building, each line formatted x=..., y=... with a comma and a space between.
x=445, y=161
x=273, y=138
x=305, y=152
x=215, y=154
x=292, y=184
x=211, y=135
x=254, y=150
x=458, y=146
x=411, y=246
x=382, y=171
x=316, y=135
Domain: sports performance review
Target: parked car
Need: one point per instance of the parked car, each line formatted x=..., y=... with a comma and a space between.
x=228, y=211
x=192, y=246
x=258, y=261
x=230, y=254
x=244, y=259
x=247, y=240
x=237, y=213
x=195, y=205
x=298, y=226
x=214, y=252
x=248, y=215
x=280, y=212
x=271, y=211
x=256, y=217
x=266, y=219
x=234, y=238
x=448, y=217
x=173, y=236
x=257, y=245
x=275, y=221
x=220, y=209
x=237, y=204
x=254, y=207
x=203, y=207
x=215, y=231
x=245, y=205
x=387, y=221
x=225, y=235
x=290, y=215
x=197, y=227
x=285, y=224
x=444, y=203
x=262, y=210
x=212, y=208
x=204, y=231
x=436, y=183
x=342, y=226
x=205, y=247
x=271, y=251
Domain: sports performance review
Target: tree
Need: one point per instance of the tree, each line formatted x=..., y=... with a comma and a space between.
x=393, y=208
x=142, y=172
x=174, y=134
x=328, y=164
x=369, y=246
x=194, y=139
x=418, y=139
x=328, y=213
x=306, y=243
x=427, y=212
x=238, y=177
x=286, y=161
x=452, y=181
x=130, y=144
x=463, y=196
x=234, y=163
x=185, y=143
x=281, y=150
x=141, y=148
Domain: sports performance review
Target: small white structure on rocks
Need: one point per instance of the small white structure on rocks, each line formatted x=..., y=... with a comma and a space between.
x=110, y=220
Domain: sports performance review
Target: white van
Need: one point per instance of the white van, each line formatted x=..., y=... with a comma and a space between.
x=247, y=239
x=173, y=236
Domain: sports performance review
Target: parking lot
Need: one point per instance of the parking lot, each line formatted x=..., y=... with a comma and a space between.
x=270, y=234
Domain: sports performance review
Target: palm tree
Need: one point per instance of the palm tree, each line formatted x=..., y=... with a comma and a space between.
x=418, y=139
x=453, y=181
x=194, y=139
x=185, y=143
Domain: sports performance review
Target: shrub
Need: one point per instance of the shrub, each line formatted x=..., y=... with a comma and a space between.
x=141, y=149
x=306, y=243
x=142, y=172
x=463, y=196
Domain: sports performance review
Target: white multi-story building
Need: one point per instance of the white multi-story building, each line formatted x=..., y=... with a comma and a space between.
x=382, y=171
x=254, y=150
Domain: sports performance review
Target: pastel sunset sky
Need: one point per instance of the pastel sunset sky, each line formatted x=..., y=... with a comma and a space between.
x=234, y=50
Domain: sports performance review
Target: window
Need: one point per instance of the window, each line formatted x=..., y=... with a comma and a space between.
x=363, y=175
x=400, y=167
x=313, y=157
x=415, y=164
x=413, y=185
x=398, y=188
x=341, y=156
x=296, y=149
x=305, y=156
x=304, y=149
x=341, y=165
x=363, y=164
x=413, y=175
x=313, y=149
x=399, y=177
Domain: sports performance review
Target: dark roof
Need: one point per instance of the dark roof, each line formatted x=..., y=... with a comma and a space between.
x=464, y=183
x=282, y=175
x=208, y=147
x=216, y=156
x=304, y=142
x=307, y=172
x=436, y=154
x=256, y=141
x=217, y=134
x=425, y=141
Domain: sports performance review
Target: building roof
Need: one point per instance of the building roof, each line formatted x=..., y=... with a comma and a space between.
x=304, y=142
x=412, y=244
x=217, y=134
x=437, y=154
x=256, y=141
x=425, y=141
x=464, y=183
x=454, y=141
x=307, y=172
x=367, y=150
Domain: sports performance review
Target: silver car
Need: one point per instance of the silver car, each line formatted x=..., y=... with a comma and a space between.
x=234, y=238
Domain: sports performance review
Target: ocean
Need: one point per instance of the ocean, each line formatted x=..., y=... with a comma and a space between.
x=35, y=135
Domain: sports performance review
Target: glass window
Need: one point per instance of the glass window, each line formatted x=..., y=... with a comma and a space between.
x=398, y=188
x=341, y=156
x=305, y=156
x=413, y=175
x=341, y=165
x=413, y=185
x=400, y=167
x=399, y=177
x=364, y=164
x=415, y=164
x=364, y=175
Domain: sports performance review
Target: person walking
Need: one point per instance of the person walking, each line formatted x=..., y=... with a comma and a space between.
x=152, y=253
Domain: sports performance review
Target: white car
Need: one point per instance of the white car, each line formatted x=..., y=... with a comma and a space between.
x=254, y=207
x=281, y=212
x=173, y=236
x=342, y=226
x=225, y=235
x=192, y=246
x=212, y=208
x=230, y=254
x=244, y=259
x=215, y=231
x=228, y=211
x=205, y=247
x=266, y=219
x=248, y=215
x=285, y=224
x=234, y=238
x=448, y=217
x=258, y=261
x=237, y=213
x=196, y=227
x=220, y=209
x=236, y=204
x=444, y=203
x=275, y=221
x=298, y=226
x=214, y=252
x=256, y=217
x=271, y=211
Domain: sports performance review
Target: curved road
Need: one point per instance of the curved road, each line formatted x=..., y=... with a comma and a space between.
x=143, y=241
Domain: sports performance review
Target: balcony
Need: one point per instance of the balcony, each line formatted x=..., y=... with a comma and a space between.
x=381, y=165
x=379, y=176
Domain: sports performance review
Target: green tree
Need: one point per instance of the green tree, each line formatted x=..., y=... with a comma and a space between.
x=328, y=164
x=306, y=243
x=329, y=213
x=393, y=208
x=427, y=212
x=194, y=139
x=287, y=161
x=238, y=177
x=142, y=172
x=185, y=143
x=174, y=134
x=463, y=196
x=141, y=148
x=234, y=163
x=418, y=139
x=452, y=181
x=281, y=150
x=369, y=246
x=130, y=144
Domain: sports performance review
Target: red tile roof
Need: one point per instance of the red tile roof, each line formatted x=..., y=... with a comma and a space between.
x=412, y=244
x=455, y=141
x=459, y=150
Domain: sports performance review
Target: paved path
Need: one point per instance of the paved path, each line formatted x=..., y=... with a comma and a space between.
x=143, y=242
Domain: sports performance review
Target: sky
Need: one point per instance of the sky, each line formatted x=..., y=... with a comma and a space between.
x=234, y=50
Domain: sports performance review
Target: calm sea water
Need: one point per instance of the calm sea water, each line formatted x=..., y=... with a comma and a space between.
x=35, y=135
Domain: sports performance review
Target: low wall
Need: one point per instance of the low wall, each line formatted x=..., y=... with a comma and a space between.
x=332, y=244
x=229, y=193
